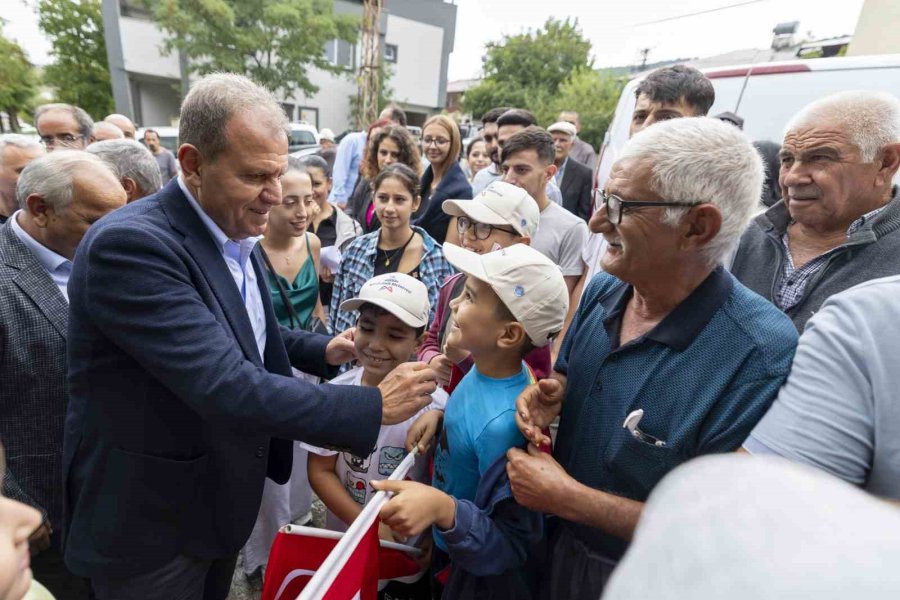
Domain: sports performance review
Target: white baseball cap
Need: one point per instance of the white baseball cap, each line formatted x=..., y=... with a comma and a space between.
x=403, y=296
x=563, y=127
x=326, y=134
x=528, y=283
x=499, y=203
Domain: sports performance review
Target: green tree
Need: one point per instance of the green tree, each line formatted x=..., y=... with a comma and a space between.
x=593, y=96
x=80, y=70
x=527, y=69
x=18, y=81
x=274, y=42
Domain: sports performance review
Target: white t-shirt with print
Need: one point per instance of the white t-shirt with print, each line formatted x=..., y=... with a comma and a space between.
x=355, y=472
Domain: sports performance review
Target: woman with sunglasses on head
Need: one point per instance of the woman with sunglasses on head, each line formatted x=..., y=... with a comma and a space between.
x=397, y=247
x=443, y=179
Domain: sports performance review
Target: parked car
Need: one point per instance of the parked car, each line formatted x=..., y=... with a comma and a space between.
x=303, y=135
x=766, y=95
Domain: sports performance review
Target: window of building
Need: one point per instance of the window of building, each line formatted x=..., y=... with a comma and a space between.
x=390, y=53
x=135, y=9
x=340, y=53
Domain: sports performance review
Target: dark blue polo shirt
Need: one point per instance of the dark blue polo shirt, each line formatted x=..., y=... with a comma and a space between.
x=703, y=376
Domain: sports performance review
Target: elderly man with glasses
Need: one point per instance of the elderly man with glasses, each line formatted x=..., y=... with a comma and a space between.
x=668, y=356
x=63, y=126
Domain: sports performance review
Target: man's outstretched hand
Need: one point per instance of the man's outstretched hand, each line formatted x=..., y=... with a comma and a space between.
x=405, y=391
x=537, y=406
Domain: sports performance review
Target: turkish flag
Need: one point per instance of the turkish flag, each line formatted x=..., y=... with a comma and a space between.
x=298, y=552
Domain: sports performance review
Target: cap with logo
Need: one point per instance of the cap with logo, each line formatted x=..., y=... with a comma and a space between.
x=499, y=203
x=403, y=296
x=528, y=283
x=563, y=127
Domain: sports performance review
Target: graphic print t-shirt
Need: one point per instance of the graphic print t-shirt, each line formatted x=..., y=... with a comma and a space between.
x=355, y=472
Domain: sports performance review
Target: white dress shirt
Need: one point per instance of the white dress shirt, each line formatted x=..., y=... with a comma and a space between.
x=237, y=257
x=58, y=267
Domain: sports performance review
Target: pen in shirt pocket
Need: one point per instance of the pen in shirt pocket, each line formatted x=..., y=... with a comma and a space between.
x=631, y=424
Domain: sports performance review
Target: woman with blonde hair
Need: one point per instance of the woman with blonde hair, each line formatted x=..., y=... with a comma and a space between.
x=443, y=179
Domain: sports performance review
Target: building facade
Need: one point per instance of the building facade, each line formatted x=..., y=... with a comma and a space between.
x=417, y=38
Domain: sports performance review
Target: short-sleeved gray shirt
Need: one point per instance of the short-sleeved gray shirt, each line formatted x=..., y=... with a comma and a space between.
x=839, y=409
x=561, y=237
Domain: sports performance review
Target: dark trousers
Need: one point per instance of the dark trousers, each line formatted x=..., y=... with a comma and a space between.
x=576, y=573
x=49, y=569
x=184, y=578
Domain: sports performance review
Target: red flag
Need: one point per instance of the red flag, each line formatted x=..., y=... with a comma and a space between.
x=324, y=565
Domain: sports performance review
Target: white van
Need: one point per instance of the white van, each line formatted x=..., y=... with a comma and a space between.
x=766, y=95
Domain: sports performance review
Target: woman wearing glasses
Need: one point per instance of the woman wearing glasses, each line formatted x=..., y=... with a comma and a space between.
x=502, y=215
x=443, y=179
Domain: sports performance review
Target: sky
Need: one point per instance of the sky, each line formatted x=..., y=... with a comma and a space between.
x=617, y=29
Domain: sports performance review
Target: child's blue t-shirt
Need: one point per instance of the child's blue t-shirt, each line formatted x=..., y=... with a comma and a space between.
x=479, y=428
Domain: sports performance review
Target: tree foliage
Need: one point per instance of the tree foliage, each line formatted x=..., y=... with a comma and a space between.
x=18, y=81
x=274, y=42
x=547, y=71
x=80, y=70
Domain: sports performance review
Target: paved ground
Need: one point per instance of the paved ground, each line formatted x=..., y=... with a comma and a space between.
x=241, y=588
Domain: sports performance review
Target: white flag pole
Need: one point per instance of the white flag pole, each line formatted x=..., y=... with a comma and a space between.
x=338, y=557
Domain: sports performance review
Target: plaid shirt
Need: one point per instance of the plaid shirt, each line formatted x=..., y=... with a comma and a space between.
x=358, y=266
x=793, y=280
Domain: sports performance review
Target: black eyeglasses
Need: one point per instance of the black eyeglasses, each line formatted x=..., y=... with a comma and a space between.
x=615, y=206
x=482, y=230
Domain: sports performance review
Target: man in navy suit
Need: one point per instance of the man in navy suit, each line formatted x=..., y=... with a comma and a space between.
x=181, y=394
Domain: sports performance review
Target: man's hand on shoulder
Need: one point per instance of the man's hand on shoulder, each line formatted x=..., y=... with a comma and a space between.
x=405, y=391
x=340, y=349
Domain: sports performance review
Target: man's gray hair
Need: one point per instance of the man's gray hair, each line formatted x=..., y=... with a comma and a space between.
x=130, y=158
x=214, y=99
x=51, y=177
x=85, y=123
x=18, y=140
x=702, y=160
x=870, y=119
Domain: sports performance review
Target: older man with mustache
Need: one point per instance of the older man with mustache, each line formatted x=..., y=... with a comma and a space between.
x=838, y=224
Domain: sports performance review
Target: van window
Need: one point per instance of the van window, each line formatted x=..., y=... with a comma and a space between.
x=300, y=138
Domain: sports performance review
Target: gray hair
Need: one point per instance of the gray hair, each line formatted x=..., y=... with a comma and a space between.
x=51, y=177
x=702, y=160
x=214, y=99
x=870, y=119
x=85, y=123
x=130, y=158
x=17, y=140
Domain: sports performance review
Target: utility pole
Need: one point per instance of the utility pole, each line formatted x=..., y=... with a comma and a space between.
x=644, y=53
x=370, y=68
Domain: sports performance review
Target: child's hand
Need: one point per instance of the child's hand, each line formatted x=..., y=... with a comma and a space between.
x=422, y=432
x=443, y=367
x=389, y=535
x=415, y=507
x=326, y=275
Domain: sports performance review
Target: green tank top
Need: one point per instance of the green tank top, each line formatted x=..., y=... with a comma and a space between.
x=302, y=293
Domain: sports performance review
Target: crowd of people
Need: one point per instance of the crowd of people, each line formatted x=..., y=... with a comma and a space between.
x=191, y=348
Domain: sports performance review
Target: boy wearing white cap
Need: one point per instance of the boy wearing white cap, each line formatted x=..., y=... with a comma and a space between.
x=498, y=217
x=515, y=299
x=393, y=312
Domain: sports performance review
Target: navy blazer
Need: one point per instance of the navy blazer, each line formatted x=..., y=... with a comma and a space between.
x=453, y=186
x=172, y=414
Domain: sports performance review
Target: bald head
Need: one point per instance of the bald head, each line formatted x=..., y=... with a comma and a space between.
x=123, y=123
x=107, y=131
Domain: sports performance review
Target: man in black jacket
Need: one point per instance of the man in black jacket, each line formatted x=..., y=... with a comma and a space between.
x=572, y=177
